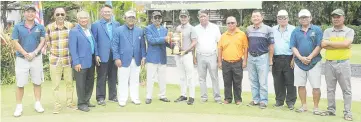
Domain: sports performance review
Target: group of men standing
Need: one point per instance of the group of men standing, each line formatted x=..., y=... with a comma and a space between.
x=118, y=51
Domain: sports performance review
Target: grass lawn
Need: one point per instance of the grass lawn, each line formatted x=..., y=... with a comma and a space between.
x=356, y=54
x=159, y=111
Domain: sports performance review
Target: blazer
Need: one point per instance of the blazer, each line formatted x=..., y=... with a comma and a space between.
x=102, y=38
x=126, y=47
x=156, y=51
x=80, y=48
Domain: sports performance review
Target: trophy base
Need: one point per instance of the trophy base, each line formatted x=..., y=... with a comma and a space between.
x=174, y=52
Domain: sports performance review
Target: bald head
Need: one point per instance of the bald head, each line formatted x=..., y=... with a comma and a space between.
x=231, y=23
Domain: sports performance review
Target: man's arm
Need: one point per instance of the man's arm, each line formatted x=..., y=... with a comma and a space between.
x=153, y=40
x=115, y=45
x=271, y=52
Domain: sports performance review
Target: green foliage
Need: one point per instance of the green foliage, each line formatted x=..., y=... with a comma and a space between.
x=7, y=59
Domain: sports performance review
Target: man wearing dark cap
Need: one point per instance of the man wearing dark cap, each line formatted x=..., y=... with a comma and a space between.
x=156, y=56
x=337, y=42
x=28, y=38
x=185, y=60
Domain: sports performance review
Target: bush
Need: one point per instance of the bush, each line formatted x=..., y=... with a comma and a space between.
x=7, y=59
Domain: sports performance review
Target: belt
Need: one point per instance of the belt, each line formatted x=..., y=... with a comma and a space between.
x=255, y=54
x=232, y=61
x=282, y=56
x=338, y=61
x=206, y=54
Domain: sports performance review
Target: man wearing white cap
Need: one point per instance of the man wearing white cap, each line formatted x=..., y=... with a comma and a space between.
x=306, y=47
x=128, y=48
x=283, y=62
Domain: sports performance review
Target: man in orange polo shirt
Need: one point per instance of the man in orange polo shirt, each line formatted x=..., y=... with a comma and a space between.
x=232, y=58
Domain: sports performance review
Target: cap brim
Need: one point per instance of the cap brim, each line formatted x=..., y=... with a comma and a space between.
x=337, y=14
x=157, y=15
x=30, y=8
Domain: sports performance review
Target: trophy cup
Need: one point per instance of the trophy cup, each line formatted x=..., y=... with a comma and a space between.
x=176, y=42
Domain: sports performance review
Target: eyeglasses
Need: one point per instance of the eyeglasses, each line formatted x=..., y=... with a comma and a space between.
x=231, y=23
x=60, y=14
x=282, y=18
x=157, y=17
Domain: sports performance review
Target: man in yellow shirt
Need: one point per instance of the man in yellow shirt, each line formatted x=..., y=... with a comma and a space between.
x=337, y=41
x=232, y=58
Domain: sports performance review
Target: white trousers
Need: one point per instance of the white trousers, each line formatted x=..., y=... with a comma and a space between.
x=185, y=71
x=152, y=70
x=128, y=78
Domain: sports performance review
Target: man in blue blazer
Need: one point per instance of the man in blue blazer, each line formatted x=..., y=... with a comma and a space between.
x=82, y=51
x=102, y=31
x=157, y=38
x=129, y=53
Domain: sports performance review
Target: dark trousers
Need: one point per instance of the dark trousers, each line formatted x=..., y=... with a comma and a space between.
x=84, y=84
x=232, y=76
x=104, y=71
x=284, y=80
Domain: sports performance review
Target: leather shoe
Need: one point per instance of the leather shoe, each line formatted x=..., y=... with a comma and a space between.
x=148, y=101
x=291, y=107
x=190, y=101
x=164, y=100
x=277, y=105
x=84, y=108
x=91, y=105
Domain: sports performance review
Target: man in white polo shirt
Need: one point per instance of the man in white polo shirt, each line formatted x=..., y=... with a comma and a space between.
x=208, y=37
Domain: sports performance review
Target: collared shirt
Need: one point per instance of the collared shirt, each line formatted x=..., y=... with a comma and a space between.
x=90, y=38
x=334, y=35
x=259, y=38
x=282, y=40
x=188, y=34
x=207, y=38
x=57, y=41
x=233, y=45
x=110, y=29
x=306, y=42
x=28, y=38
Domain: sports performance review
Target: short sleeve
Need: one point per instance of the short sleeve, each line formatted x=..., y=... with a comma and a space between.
x=15, y=33
x=293, y=39
x=194, y=33
x=350, y=35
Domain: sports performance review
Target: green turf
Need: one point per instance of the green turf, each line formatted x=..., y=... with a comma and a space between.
x=232, y=110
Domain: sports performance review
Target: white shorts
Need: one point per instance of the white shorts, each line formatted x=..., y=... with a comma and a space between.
x=313, y=75
x=23, y=67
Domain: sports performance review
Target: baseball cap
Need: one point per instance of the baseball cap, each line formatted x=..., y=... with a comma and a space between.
x=282, y=13
x=130, y=14
x=338, y=12
x=156, y=13
x=304, y=12
x=184, y=12
x=29, y=7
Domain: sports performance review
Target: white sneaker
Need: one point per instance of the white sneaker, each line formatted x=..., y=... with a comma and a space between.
x=122, y=104
x=136, y=102
x=38, y=107
x=18, y=110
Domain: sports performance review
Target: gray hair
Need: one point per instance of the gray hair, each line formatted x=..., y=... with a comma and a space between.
x=82, y=14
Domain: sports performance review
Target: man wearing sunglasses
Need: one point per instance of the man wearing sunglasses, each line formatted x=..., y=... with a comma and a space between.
x=306, y=47
x=208, y=37
x=232, y=58
x=282, y=69
x=260, y=58
x=59, y=58
x=102, y=31
x=157, y=39
x=186, y=59
x=128, y=48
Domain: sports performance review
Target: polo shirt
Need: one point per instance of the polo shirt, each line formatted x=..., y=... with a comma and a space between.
x=188, y=34
x=233, y=45
x=282, y=40
x=28, y=38
x=208, y=38
x=335, y=35
x=259, y=38
x=306, y=42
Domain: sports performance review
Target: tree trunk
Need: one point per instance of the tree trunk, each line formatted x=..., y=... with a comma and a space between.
x=3, y=12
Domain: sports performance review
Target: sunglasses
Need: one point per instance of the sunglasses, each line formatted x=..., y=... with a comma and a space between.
x=60, y=14
x=231, y=23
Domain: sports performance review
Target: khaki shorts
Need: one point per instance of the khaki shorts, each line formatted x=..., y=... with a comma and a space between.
x=23, y=67
x=313, y=75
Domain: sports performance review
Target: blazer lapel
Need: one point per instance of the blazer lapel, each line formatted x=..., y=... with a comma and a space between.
x=134, y=36
x=103, y=23
x=82, y=32
x=126, y=34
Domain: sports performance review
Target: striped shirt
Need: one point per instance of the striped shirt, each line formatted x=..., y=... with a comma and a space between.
x=57, y=41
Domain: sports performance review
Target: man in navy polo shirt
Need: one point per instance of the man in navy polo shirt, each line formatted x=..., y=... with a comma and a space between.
x=306, y=47
x=28, y=38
